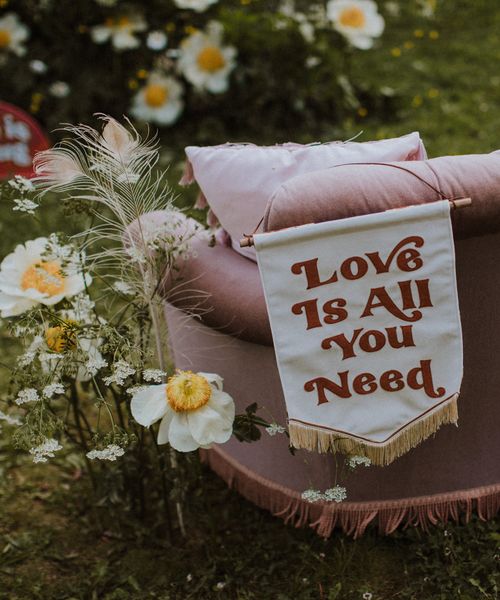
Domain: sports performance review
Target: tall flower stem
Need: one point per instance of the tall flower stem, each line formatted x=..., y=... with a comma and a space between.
x=156, y=320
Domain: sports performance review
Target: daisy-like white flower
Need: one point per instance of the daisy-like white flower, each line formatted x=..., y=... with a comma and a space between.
x=121, y=31
x=159, y=101
x=196, y=5
x=193, y=409
x=205, y=62
x=12, y=34
x=358, y=20
x=28, y=278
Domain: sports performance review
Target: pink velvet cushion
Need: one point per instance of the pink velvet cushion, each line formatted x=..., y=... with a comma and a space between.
x=238, y=179
x=351, y=190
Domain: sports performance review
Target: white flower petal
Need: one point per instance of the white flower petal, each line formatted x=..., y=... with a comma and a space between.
x=207, y=426
x=165, y=427
x=179, y=435
x=223, y=404
x=149, y=404
x=213, y=378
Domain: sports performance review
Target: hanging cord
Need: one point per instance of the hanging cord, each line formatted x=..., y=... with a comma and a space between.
x=459, y=202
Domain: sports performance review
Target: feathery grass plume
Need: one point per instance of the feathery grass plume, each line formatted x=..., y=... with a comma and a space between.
x=114, y=170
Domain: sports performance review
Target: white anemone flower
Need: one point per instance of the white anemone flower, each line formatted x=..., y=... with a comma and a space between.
x=159, y=101
x=193, y=409
x=121, y=31
x=28, y=278
x=204, y=62
x=358, y=20
x=12, y=34
x=196, y=5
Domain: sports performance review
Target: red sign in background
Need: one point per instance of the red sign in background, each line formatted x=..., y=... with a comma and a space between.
x=20, y=139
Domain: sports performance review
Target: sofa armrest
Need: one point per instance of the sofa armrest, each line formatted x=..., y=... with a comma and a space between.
x=358, y=189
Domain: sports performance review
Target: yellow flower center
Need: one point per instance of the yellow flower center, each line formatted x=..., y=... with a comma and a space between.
x=123, y=22
x=62, y=337
x=352, y=17
x=5, y=38
x=45, y=277
x=187, y=391
x=156, y=95
x=211, y=59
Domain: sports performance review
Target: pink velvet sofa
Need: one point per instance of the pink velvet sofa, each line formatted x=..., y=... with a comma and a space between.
x=218, y=323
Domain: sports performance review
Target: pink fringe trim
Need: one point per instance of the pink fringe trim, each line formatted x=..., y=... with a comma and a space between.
x=352, y=517
x=201, y=201
x=188, y=175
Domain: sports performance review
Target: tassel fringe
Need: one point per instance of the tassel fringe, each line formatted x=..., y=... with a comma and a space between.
x=188, y=175
x=353, y=517
x=382, y=454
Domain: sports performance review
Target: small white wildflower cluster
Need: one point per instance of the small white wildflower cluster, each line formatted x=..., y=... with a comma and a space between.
x=274, y=428
x=155, y=375
x=334, y=494
x=27, y=395
x=94, y=364
x=23, y=360
x=111, y=452
x=9, y=419
x=121, y=370
x=45, y=450
x=52, y=390
x=83, y=308
x=354, y=461
x=25, y=205
x=21, y=184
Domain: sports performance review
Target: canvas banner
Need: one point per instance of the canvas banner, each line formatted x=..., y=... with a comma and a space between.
x=366, y=328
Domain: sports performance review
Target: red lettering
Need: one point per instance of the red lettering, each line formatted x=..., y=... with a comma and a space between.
x=320, y=384
x=378, y=341
x=346, y=268
x=310, y=307
x=392, y=381
x=333, y=312
x=364, y=383
x=384, y=300
x=310, y=268
x=426, y=383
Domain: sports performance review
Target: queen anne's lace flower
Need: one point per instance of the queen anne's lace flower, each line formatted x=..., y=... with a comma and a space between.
x=9, y=419
x=274, y=428
x=45, y=450
x=122, y=287
x=22, y=184
x=27, y=395
x=154, y=375
x=121, y=370
x=335, y=494
x=311, y=495
x=95, y=364
x=25, y=205
x=354, y=461
x=53, y=389
x=193, y=409
x=111, y=452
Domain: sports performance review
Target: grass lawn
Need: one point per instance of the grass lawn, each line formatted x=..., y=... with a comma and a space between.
x=447, y=82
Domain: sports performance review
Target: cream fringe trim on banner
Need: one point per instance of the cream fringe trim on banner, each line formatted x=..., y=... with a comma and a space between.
x=353, y=517
x=381, y=453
